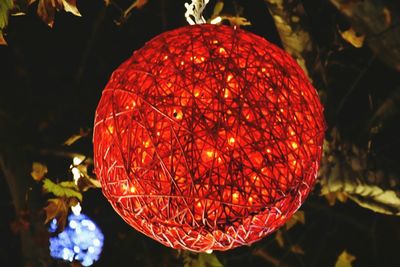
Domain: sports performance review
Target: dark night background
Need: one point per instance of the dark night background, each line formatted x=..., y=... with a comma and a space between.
x=51, y=81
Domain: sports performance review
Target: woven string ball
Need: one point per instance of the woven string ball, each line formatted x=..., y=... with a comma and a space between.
x=207, y=138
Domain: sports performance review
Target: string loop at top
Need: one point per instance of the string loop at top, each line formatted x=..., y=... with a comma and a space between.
x=194, y=11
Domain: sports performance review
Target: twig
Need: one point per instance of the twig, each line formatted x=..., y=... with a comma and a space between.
x=262, y=253
x=291, y=22
x=354, y=84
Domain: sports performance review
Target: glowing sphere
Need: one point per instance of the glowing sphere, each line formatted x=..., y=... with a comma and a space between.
x=81, y=240
x=207, y=138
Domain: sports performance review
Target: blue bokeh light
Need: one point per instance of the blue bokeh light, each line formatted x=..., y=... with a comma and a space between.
x=81, y=240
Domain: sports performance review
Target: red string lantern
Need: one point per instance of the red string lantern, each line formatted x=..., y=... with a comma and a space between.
x=208, y=138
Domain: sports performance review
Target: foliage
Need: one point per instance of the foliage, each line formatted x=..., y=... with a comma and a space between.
x=216, y=18
x=353, y=38
x=58, y=208
x=200, y=260
x=345, y=259
x=5, y=7
x=47, y=9
x=39, y=170
x=67, y=189
x=75, y=137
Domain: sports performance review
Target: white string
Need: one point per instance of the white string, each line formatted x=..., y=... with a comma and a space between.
x=194, y=11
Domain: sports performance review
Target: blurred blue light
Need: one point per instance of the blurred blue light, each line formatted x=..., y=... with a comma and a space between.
x=81, y=240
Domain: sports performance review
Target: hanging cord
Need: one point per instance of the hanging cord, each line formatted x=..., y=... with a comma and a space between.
x=194, y=11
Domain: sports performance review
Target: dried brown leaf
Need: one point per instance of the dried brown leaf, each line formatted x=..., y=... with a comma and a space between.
x=76, y=263
x=2, y=40
x=39, y=170
x=47, y=9
x=57, y=208
x=279, y=239
x=86, y=182
x=296, y=249
x=351, y=37
x=140, y=3
x=387, y=16
x=75, y=137
x=237, y=21
x=298, y=217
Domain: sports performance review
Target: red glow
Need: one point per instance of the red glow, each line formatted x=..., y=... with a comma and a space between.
x=208, y=137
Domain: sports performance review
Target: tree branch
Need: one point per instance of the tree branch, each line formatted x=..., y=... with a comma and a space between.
x=291, y=23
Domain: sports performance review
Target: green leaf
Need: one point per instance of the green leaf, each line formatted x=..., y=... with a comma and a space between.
x=217, y=8
x=64, y=189
x=207, y=260
x=5, y=7
x=191, y=259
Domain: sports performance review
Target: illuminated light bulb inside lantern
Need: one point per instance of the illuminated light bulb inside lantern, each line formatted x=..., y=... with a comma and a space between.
x=250, y=200
x=133, y=189
x=231, y=140
x=217, y=169
x=210, y=154
x=226, y=93
x=177, y=114
x=146, y=144
x=294, y=145
x=165, y=57
x=197, y=60
x=110, y=129
x=235, y=197
x=124, y=188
